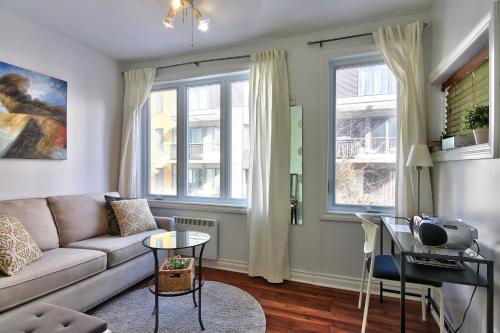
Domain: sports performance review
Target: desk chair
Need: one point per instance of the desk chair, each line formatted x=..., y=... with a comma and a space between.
x=383, y=268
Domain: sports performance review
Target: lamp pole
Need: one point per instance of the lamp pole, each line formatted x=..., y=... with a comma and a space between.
x=419, y=168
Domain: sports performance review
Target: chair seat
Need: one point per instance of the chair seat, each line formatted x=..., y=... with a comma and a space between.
x=386, y=268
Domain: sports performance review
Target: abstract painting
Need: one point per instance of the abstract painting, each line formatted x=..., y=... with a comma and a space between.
x=32, y=114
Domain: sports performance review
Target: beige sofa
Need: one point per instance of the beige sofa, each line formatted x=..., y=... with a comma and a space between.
x=82, y=265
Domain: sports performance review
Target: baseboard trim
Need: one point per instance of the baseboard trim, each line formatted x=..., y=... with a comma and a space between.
x=317, y=279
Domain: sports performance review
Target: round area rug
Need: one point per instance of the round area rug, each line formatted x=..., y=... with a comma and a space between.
x=224, y=309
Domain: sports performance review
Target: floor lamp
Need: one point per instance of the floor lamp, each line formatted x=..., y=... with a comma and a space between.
x=419, y=157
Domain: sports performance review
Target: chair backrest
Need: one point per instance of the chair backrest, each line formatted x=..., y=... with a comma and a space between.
x=371, y=231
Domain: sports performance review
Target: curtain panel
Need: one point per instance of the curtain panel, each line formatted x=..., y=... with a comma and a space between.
x=401, y=49
x=138, y=84
x=269, y=184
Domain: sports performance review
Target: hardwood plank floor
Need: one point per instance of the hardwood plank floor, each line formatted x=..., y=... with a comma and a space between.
x=299, y=307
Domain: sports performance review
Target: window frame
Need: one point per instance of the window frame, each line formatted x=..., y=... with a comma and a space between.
x=224, y=80
x=370, y=58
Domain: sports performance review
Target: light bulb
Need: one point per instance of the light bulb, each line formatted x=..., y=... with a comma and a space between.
x=176, y=4
x=203, y=25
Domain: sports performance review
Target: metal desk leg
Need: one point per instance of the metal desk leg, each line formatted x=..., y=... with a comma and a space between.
x=194, y=282
x=157, y=309
x=490, y=294
x=403, y=293
x=429, y=300
x=199, y=283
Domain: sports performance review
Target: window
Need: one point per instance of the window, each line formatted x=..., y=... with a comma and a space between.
x=466, y=91
x=240, y=139
x=204, y=156
x=363, y=131
x=163, y=138
x=205, y=122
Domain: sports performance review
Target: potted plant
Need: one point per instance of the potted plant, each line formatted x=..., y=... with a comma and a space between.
x=477, y=119
x=176, y=274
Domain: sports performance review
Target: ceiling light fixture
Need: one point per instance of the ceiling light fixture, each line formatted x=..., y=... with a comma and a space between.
x=186, y=8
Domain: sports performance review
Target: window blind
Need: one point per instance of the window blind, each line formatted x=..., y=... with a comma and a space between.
x=472, y=90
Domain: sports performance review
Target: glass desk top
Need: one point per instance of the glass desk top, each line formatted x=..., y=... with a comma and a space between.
x=399, y=228
x=174, y=240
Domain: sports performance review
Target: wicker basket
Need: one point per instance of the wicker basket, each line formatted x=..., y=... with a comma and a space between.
x=176, y=279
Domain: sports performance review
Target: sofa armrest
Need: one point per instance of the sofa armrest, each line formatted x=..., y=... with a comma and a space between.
x=166, y=223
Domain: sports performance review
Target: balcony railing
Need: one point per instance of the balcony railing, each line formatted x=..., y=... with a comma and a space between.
x=350, y=148
x=207, y=151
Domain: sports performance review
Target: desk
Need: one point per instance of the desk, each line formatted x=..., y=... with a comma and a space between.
x=403, y=240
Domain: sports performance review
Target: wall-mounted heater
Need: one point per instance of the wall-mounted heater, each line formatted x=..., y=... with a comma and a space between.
x=208, y=226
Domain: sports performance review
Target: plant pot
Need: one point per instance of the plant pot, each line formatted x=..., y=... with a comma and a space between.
x=481, y=135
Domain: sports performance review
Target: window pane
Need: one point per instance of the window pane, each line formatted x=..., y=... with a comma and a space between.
x=204, y=141
x=365, y=146
x=163, y=125
x=240, y=139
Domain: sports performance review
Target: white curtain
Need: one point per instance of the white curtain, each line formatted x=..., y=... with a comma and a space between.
x=401, y=49
x=269, y=184
x=138, y=84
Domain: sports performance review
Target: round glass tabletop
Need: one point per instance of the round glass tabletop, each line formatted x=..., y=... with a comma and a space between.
x=174, y=240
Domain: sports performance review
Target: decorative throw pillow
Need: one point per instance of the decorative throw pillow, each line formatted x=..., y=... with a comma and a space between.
x=113, y=227
x=133, y=216
x=17, y=248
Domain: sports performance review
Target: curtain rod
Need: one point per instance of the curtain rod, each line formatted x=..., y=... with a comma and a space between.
x=321, y=41
x=198, y=62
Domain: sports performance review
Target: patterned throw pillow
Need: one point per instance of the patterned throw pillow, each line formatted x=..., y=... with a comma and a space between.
x=17, y=248
x=133, y=216
x=113, y=227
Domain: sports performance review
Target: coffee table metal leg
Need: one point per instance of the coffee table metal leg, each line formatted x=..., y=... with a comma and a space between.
x=194, y=282
x=199, y=283
x=157, y=309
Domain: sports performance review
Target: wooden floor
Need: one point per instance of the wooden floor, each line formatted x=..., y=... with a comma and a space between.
x=298, y=307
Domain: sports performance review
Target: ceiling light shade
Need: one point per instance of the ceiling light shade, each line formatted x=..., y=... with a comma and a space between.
x=419, y=156
x=187, y=9
x=203, y=24
x=168, y=22
x=176, y=4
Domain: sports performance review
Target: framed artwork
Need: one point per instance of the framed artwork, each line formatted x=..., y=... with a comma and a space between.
x=33, y=110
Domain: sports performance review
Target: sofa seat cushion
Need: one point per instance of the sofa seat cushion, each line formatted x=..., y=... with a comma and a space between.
x=119, y=249
x=56, y=269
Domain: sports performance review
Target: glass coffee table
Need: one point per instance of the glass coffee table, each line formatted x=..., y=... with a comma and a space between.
x=176, y=240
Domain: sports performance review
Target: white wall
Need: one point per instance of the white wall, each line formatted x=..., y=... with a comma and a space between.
x=94, y=121
x=466, y=189
x=327, y=252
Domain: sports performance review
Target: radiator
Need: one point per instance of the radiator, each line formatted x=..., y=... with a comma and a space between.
x=208, y=226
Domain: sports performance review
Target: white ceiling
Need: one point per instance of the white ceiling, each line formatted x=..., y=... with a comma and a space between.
x=132, y=29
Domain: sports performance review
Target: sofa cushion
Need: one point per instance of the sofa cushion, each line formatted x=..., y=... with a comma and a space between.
x=119, y=249
x=113, y=227
x=134, y=216
x=57, y=269
x=79, y=217
x=42, y=317
x=36, y=217
x=17, y=248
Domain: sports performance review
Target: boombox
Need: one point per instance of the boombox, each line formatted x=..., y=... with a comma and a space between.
x=444, y=232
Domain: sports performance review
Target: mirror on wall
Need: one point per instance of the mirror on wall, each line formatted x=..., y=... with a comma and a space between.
x=296, y=202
